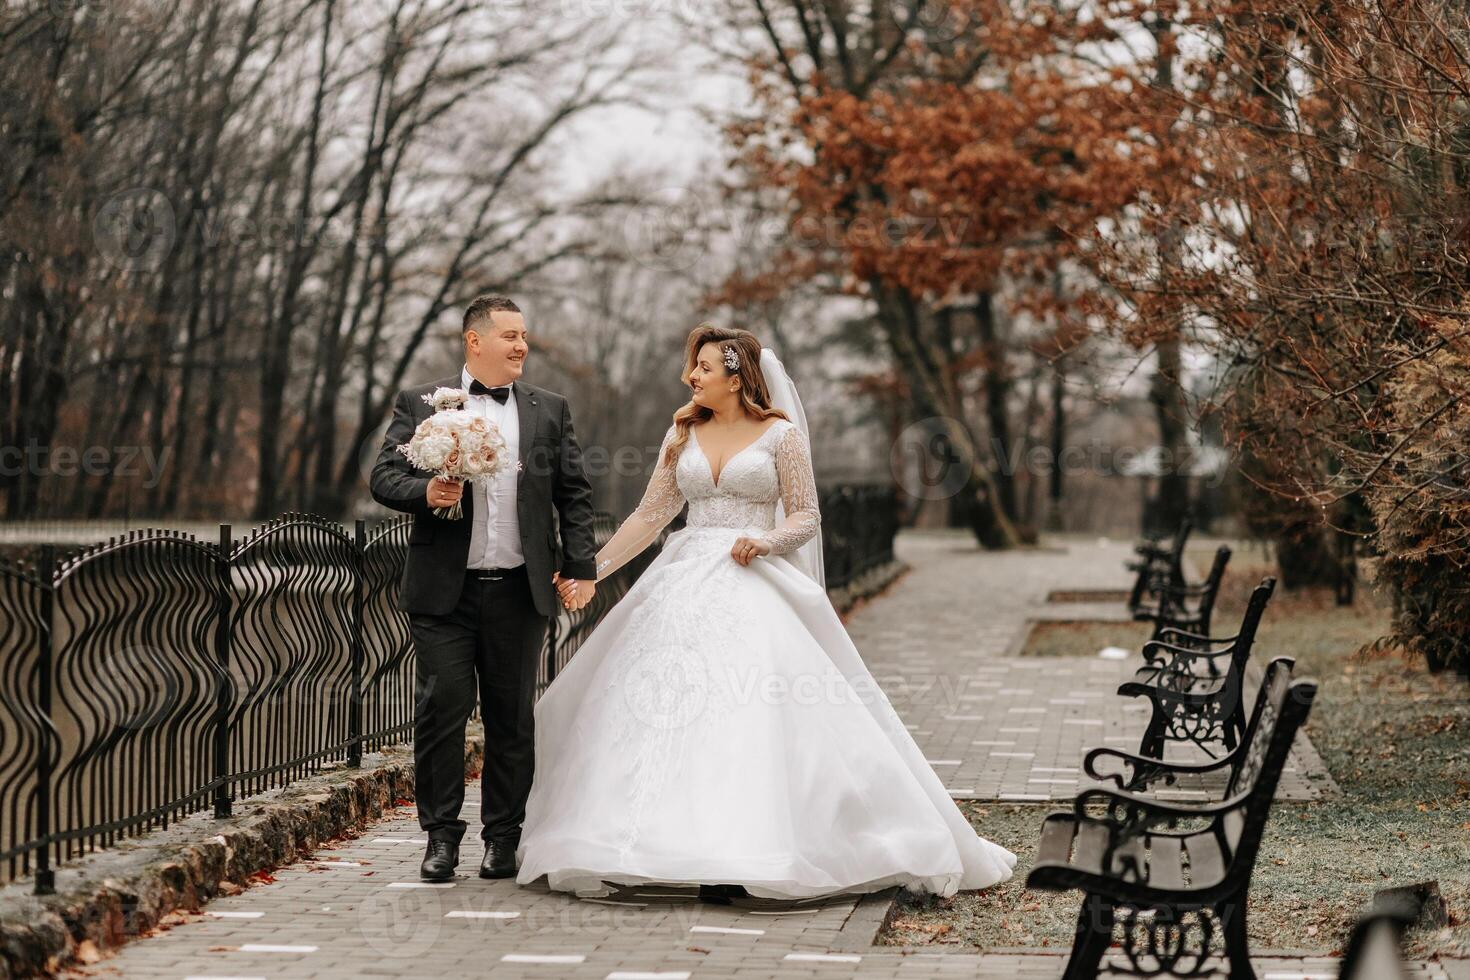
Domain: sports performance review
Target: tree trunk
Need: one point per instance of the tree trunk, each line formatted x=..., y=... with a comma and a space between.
x=1056, y=483
x=937, y=399
x=997, y=394
x=1172, y=504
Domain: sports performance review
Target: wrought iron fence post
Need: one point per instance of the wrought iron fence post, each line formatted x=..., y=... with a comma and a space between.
x=354, y=704
x=45, y=875
x=222, y=805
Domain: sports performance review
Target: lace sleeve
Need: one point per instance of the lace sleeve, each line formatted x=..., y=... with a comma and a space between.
x=661, y=503
x=798, y=494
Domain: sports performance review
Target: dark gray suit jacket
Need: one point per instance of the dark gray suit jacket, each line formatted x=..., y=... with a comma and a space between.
x=551, y=478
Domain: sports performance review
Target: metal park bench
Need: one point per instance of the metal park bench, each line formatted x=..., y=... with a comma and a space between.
x=1172, y=875
x=1159, y=563
x=1181, y=607
x=1195, y=683
x=1142, y=772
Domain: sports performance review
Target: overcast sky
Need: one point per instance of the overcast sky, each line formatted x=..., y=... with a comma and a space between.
x=672, y=136
x=668, y=136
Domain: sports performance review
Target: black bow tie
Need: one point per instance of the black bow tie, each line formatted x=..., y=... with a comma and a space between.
x=499, y=394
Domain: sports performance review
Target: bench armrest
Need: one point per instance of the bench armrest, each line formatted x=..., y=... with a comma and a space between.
x=1166, y=699
x=1185, y=591
x=1141, y=765
x=1196, y=637
x=1130, y=814
x=1174, y=651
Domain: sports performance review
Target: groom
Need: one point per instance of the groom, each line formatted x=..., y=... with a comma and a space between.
x=479, y=591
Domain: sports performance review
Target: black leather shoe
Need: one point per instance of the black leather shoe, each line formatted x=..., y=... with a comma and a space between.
x=721, y=894
x=499, y=860
x=441, y=857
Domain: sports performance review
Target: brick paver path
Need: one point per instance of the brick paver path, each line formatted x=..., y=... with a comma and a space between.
x=361, y=911
x=955, y=622
x=943, y=645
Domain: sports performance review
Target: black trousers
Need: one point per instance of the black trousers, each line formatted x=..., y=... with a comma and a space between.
x=490, y=643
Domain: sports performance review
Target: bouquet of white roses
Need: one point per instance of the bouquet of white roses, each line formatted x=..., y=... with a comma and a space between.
x=456, y=444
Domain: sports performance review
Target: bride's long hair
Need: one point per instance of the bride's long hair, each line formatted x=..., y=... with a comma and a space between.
x=755, y=397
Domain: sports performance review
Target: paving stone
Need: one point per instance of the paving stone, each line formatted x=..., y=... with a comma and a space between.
x=943, y=640
x=946, y=638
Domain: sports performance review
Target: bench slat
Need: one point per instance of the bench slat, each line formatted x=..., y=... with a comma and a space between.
x=1092, y=840
x=1206, y=863
x=1166, y=863
x=1129, y=861
x=1234, y=823
x=1056, y=840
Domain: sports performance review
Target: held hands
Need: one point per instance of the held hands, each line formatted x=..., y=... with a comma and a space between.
x=745, y=550
x=442, y=492
x=575, y=593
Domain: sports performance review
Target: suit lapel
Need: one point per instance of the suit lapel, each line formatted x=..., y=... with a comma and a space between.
x=526, y=409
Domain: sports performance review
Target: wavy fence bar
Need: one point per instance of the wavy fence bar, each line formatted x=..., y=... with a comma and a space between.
x=25, y=698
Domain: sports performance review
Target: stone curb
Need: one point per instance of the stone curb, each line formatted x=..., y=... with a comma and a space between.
x=866, y=586
x=108, y=897
x=870, y=918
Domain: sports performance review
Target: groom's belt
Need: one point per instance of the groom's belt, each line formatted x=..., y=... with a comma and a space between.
x=494, y=574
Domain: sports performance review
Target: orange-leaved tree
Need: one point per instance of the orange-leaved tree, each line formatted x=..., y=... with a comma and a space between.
x=944, y=163
x=1322, y=256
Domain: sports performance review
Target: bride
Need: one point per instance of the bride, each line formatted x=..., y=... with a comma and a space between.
x=719, y=727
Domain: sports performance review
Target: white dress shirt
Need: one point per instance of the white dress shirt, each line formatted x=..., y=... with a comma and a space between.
x=495, y=531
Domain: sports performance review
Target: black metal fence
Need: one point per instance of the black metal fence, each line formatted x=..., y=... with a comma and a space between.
x=157, y=675
x=859, y=523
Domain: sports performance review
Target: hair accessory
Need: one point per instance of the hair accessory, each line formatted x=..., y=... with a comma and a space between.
x=732, y=359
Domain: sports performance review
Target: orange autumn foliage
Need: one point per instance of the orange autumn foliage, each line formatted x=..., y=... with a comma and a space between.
x=955, y=179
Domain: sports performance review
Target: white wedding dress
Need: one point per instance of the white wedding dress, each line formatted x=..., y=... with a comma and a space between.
x=719, y=726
